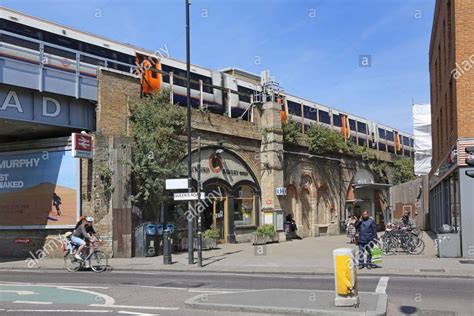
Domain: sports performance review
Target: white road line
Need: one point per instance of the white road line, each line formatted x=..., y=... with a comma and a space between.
x=208, y=291
x=33, y=302
x=161, y=287
x=105, y=298
x=382, y=285
x=135, y=313
x=137, y=307
x=59, y=311
x=18, y=292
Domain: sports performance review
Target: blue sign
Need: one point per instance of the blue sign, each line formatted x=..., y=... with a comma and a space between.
x=280, y=191
x=170, y=228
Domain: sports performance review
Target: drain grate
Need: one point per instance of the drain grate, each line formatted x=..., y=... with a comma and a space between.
x=432, y=270
x=466, y=261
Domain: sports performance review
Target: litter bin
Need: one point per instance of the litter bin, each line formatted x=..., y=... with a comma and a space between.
x=146, y=240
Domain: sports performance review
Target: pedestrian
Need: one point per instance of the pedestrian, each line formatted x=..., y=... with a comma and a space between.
x=406, y=219
x=56, y=203
x=351, y=229
x=367, y=239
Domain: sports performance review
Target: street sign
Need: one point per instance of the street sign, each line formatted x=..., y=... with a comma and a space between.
x=176, y=184
x=81, y=146
x=280, y=191
x=188, y=196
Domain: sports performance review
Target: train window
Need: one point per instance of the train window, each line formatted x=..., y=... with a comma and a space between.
x=310, y=113
x=382, y=146
x=324, y=117
x=406, y=141
x=246, y=93
x=21, y=29
x=352, y=124
x=154, y=74
x=336, y=118
x=294, y=108
x=390, y=136
x=412, y=142
x=361, y=127
x=362, y=141
x=176, y=73
x=207, y=82
x=391, y=149
x=59, y=52
x=381, y=133
x=18, y=42
x=92, y=61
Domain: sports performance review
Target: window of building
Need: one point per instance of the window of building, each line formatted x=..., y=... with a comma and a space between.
x=324, y=117
x=244, y=206
x=59, y=52
x=18, y=42
x=294, y=108
x=451, y=106
x=245, y=94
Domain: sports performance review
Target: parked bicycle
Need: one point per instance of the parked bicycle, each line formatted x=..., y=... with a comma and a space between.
x=399, y=237
x=96, y=259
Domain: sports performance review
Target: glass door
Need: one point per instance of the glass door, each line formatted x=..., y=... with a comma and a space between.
x=219, y=214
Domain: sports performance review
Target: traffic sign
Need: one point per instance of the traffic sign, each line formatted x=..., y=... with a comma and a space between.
x=177, y=184
x=188, y=196
x=81, y=146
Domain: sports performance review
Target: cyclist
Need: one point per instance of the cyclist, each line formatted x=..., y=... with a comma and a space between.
x=91, y=231
x=79, y=235
x=406, y=219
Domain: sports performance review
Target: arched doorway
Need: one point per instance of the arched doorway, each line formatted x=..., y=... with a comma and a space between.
x=214, y=215
x=306, y=213
x=291, y=204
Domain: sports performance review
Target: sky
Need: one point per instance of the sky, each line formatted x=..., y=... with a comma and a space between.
x=316, y=49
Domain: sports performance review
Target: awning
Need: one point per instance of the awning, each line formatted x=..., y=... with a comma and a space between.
x=374, y=186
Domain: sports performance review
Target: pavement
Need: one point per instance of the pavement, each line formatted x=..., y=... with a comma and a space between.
x=310, y=256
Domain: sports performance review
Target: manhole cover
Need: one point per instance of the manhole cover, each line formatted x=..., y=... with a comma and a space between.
x=181, y=284
x=466, y=261
x=432, y=270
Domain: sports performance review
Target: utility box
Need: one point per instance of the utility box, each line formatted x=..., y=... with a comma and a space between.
x=345, y=277
x=449, y=245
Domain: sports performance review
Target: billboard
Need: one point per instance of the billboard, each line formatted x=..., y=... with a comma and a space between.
x=38, y=190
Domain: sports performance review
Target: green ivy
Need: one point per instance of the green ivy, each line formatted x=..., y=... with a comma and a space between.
x=291, y=131
x=323, y=140
x=404, y=170
x=105, y=176
x=156, y=148
x=211, y=233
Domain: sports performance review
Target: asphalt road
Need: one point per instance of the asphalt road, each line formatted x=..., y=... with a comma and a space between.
x=120, y=293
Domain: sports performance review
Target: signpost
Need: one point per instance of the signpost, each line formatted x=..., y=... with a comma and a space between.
x=82, y=146
x=188, y=196
x=177, y=184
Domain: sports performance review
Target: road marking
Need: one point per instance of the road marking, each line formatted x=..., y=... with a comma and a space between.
x=59, y=311
x=135, y=313
x=208, y=291
x=161, y=287
x=18, y=292
x=105, y=298
x=33, y=302
x=137, y=307
x=382, y=285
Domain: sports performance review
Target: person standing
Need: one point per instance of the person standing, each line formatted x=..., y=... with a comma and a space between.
x=367, y=238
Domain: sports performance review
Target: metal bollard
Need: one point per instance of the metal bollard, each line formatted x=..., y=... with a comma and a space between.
x=345, y=275
x=166, y=247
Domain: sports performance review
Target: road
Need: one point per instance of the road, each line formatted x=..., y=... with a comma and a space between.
x=160, y=293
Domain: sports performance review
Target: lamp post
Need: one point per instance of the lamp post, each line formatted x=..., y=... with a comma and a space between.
x=199, y=204
x=188, y=91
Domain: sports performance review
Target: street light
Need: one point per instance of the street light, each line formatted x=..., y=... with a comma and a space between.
x=188, y=100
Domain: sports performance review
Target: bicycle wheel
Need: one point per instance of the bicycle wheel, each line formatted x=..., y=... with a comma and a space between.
x=71, y=263
x=416, y=249
x=98, y=261
x=388, y=246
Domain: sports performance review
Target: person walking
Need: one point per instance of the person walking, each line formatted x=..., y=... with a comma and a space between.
x=367, y=239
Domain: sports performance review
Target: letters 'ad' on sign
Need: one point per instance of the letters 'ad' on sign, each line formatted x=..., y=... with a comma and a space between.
x=38, y=190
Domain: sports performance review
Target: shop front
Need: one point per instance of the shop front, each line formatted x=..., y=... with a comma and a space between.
x=232, y=200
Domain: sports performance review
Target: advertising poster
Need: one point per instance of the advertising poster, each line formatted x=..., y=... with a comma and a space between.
x=38, y=190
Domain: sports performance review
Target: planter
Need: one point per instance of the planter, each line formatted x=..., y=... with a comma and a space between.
x=265, y=239
x=207, y=243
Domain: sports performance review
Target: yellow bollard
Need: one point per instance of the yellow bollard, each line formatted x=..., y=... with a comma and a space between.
x=345, y=277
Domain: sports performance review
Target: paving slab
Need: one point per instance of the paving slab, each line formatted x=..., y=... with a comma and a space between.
x=288, y=302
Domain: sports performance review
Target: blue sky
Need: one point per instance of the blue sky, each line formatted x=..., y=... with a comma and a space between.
x=311, y=47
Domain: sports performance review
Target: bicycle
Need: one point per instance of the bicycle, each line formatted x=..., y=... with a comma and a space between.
x=401, y=237
x=97, y=259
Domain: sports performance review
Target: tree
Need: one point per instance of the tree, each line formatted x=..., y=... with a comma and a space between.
x=404, y=170
x=157, y=150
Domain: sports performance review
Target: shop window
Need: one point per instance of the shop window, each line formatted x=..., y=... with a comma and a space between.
x=244, y=206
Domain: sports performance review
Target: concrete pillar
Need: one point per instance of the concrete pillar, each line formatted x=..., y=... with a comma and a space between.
x=271, y=158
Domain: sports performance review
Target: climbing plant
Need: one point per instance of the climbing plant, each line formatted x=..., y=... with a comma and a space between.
x=157, y=150
x=291, y=130
x=323, y=140
x=404, y=170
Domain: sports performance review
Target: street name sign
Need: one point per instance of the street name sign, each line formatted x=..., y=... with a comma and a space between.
x=177, y=184
x=188, y=196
